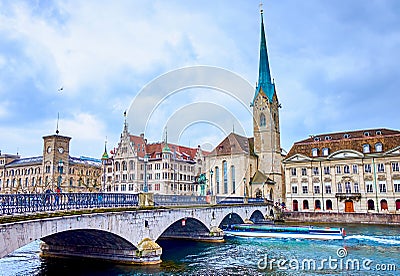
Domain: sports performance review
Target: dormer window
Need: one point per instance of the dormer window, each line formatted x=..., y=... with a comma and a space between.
x=366, y=148
x=346, y=135
x=378, y=132
x=378, y=147
x=316, y=139
x=325, y=151
x=366, y=133
x=327, y=138
x=314, y=152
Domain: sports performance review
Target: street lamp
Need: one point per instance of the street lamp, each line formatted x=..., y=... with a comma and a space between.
x=244, y=182
x=211, y=185
x=145, y=159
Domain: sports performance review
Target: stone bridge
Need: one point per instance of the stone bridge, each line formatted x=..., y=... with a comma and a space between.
x=126, y=236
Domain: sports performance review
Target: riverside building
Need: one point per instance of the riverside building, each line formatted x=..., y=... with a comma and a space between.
x=354, y=171
x=55, y=168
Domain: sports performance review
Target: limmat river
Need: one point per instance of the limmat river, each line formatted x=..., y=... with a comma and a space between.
x=367, y=250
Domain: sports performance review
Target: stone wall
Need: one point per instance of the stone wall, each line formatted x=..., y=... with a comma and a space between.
x=325, y=217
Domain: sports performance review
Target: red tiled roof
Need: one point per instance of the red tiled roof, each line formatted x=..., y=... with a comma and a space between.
x=349, y=140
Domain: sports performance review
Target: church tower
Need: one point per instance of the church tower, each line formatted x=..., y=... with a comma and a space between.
x=266, y=131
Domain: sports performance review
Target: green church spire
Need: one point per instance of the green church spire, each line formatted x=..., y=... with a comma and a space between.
x=264, y=74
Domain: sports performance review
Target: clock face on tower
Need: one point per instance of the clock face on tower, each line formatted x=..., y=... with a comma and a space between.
x=60, y=150
x=48, y=149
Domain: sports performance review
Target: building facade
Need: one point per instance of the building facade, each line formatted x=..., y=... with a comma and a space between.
x=355, y=171
x=241, y=166
x=55, y=168
x=170, y=168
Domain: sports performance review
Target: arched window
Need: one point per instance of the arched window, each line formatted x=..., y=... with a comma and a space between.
x=262, y=120
x=305, y=205
x=371, y=205
x=117, y=166
x=378, y=147
x=217, y=178
x=384, y=204
x=131, y=165
x=124, y=166
x=233, y=179
x=397, y=204
x=225, y=176
x=366, y=148
x=317, y=204
x=295, y=205
x=329, y=204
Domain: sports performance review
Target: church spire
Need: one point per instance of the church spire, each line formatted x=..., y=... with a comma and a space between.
x=264, y=75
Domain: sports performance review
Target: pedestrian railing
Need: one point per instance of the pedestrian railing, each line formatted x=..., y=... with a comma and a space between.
x=31, y=203
x=176, y=200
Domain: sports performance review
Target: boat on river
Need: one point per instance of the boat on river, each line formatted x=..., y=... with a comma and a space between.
x=280, y=231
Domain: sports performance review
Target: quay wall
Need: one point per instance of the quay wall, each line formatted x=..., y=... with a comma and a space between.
x=327, y=217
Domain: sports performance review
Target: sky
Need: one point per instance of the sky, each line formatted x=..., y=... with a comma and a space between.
x=335, y=66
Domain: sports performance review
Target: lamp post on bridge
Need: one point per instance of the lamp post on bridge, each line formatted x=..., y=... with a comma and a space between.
x=60, y=170
x=211, y=185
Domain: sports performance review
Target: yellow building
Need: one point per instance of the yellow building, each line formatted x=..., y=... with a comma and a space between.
x=55, y=168
x=355, y=171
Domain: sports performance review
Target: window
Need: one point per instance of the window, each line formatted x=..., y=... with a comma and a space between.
x=293, y=171
x=396, y=186
x=338, y=169
x=347, y=186
x=369, y=187
x=346, y=136
x=327, y=170
x=367, y=168
x=294, y=189
x=317, y=139
x=328, y=188
x=366, y=133
x=225, y=171
x=305, y=205
x=378, y=132
x=262, y=120
x=303, y=171
x=315, y=171
x=356, y=188
x=346, y=169
x=366, y=148
x=314, y=152
x=328, y=138
x=371, y=205
x=382, y=186
x=317, y=189
x=217, y=178
x=233, y=179
x=378, y=147
x=395, y=166
x=317, y=204
x=305, y=189
x=325, y=151
x=355, y=169
x=381, y=167
x=339, y=188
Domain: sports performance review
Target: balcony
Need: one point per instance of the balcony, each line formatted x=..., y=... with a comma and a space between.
x=348, y=196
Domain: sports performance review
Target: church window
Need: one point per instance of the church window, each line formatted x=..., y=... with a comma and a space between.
x=217, y=178
x=225, y=171
x=262, y=120
x=325, y=151
x=233, y=177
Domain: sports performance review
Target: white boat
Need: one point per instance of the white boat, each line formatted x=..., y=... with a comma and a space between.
x=292, y=232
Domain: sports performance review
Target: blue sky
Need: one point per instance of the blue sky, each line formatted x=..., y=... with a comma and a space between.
x=335, y=64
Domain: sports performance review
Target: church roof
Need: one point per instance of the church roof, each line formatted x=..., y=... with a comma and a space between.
x=234, y=143
x=260, y=178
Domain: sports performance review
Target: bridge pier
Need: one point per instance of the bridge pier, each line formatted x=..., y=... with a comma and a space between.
x=148, y=252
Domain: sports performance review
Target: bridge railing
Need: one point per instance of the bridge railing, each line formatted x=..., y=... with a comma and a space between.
x=176, y=200
x=31, y=203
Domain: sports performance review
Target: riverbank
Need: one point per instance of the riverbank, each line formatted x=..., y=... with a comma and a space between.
x=327, y=217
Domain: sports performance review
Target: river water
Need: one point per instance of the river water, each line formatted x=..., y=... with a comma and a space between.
x=370, y=249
